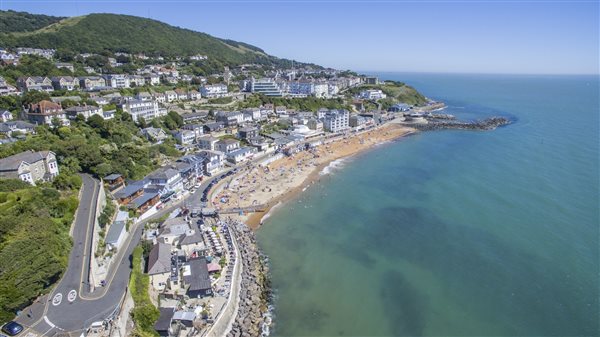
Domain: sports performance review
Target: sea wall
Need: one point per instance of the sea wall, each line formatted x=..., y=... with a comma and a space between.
x=255, y=290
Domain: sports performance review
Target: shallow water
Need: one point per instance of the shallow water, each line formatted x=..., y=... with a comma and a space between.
x=453, y=232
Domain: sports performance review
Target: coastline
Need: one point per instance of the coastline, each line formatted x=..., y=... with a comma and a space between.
x=389, y=132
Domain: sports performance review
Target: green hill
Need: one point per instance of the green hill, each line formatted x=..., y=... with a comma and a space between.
x=97, y=33
x=11, y=21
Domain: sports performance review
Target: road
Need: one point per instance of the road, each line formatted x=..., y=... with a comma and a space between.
x=71, y=307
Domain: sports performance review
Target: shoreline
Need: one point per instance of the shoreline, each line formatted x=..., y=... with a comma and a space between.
x=255, y=220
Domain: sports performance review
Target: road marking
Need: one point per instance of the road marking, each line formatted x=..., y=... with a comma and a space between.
x=72, y=295
x=56, y=299
x=49, y=323
x=30, y=334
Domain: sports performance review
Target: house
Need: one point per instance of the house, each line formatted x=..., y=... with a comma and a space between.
x=8, y=128
x=240, y=155
x=212, y=91
x=260, y=143
x=159, y=265
x=213, y=127
x=192, y=243
x=281, y=111
x=68, y=66
x=182, y=95
x=109, y=114
x=144, y=202
x=152, y=79
x=189, y=172
x=248, y=132
x=194, y=95
x=229, y=118
x=196, y=163
x=207, y=143
x=117, y=81
x=185, y=137
x=197, y=128
x=92, y=83
x=30, y=166
x=315, y=124
x=399, y=107
x=143, y=96
x=45, y=111
x=130, y=192
x=137, y=80
x=196, y=278
x=213, y=161
x=86, y=111
x=372, y=94
x=65, y=83
x=153, y=134
x=35, y=83
x=227, y=145
x=5, y=116
x=117, y=231
x=171, y=230
x=165, y=319
x=7, y=89
x=171, y=95
x=114, y=181
x=160, y=97
x=167, y=178
x=255, y=113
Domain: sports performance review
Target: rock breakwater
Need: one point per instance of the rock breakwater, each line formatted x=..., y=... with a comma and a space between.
x=255, y=290
x=440, y=124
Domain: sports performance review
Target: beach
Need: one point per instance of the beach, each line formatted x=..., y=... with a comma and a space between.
x=269, y=185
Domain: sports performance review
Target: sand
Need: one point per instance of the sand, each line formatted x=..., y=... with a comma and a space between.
x=281, y=180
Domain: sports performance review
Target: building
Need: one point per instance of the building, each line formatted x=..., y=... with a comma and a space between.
x=35, y=83
x=356, y=121
x=196, y=278
x=92, y=83
x=315, y=124
x=207, y=143
x=213, y=127
x=182, y=95
x=372, y=94
x=68, y=66
x=143, y=109
x=371, y=80
x=130, y=192
x=86, y=111
x=137, y=80
x=65, y=83
x=212, y=91
x=117, y=81
x=248, y=132
x=152, y=79
x=143, y=96
x=167, y=179
x=30, y=166
x=266, y=87
x=227, y=145
x=153, y=134
x=229, y=118
x=240, y=155
x=194, y=95
x=117, y=231
x=45, y=111
x=9, y=128
x=159, y=265
x=145, y=201
x=336, y=120
x=171, y=95
x=399, y=107
x=114, y=181
x=5, y=116
x=185, y=137
x=213, y=161
x=163, y=324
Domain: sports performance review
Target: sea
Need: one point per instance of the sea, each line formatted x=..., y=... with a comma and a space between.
x=453, y=233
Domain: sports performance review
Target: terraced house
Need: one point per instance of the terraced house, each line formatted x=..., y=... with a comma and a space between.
x=45, y=112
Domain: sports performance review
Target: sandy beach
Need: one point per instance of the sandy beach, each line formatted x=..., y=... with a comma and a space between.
x=282, y=179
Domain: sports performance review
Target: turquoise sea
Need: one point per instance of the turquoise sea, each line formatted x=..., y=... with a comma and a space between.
x=453, y=233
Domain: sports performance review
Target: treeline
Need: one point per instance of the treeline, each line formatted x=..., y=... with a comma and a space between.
x=34, y=239
x=99, y=147
x=30, y=65
x=11, y=21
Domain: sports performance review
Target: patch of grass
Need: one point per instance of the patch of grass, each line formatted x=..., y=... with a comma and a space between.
x=144, y=314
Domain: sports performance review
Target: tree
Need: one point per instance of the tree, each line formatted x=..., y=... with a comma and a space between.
x=141, y=122
x=96, y=122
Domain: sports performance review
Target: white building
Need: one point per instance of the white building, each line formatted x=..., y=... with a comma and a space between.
x=372, y=94
x=240, y=155
x=207, y=143
x=146, y=109
x=336, y=120
x=117, y=81
x=215, y=90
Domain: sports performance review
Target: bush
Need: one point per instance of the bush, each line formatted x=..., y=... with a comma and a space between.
x=144, y=314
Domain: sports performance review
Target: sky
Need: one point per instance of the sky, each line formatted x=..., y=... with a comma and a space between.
x=450, y=36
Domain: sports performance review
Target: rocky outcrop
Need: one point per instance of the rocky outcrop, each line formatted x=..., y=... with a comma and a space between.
x=255, y=290
x=486, y=124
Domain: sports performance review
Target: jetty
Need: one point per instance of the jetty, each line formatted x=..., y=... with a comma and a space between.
x=438, y=123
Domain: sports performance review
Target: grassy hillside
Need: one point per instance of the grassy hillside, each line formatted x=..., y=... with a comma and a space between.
x=11, y=21
x=98, y=33
x=397, y=92
x=34, y=241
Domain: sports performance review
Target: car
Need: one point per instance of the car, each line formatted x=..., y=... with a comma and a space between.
x=12, y=328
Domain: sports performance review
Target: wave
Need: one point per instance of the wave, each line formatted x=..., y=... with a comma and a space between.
x=268, y=215
x=334, y=166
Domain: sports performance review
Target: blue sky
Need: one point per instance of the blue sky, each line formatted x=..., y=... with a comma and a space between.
x=524, y=37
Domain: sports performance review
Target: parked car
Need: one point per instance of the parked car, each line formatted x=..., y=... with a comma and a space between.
x=12, y=328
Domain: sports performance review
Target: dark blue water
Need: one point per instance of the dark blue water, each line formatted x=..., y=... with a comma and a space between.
x=453, y=233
